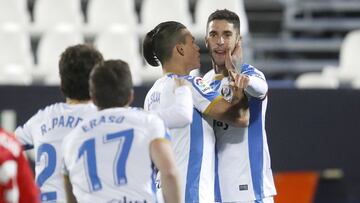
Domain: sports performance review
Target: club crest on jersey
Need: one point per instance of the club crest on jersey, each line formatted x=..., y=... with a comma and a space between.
x=203, y=86
x=226, y=92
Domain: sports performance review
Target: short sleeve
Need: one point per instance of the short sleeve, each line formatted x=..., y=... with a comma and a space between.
x=24, y=135
x=203, y=94
x=157, y=128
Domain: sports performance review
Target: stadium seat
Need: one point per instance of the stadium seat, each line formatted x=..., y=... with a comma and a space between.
x=14, y=11
x=103, y=13
x=49, y=13
x=316, y=80
x=16, y=59
x=51, y=45
x=118, y=42
x=205, y=7
x=349, y=68
x=356, y=83
x=154, y=12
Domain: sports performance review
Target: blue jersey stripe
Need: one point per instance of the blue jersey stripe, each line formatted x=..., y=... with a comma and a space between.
x=217, y=191
x=215, y=85
x=153, y=180
x=256, y=147
x=195, y=158
x=199, y=85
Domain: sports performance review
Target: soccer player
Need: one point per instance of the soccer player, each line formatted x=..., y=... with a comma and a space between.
x=16, y=178
x=46, y=129
x=172, y=45
x=109, y=157
x=243, y=156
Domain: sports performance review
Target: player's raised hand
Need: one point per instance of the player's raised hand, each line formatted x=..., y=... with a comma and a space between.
x=238, y=82
x=237, y=55
x=233, y=58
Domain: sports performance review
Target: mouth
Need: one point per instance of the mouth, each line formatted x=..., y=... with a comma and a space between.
x=219, y=51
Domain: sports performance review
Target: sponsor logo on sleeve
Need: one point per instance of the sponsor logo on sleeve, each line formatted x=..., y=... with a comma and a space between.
x=202, y=85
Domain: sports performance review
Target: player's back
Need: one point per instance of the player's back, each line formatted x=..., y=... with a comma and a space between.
x=194, y=144
x=107, y=157
x=45, y=132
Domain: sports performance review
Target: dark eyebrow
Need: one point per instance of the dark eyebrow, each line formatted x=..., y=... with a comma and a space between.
x=228, y=32
x=212, y=32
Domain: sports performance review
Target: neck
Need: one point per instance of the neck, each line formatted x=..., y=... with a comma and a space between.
x=220, y=69
x=174, y=67
x=76, y=101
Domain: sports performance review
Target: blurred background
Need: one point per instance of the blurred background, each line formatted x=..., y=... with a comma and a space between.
x=309, y=51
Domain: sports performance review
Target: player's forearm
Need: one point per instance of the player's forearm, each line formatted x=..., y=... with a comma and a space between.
x=171, y=187
x=239, y=114
x=68, y=189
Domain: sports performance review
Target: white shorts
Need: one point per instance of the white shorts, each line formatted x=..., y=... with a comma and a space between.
x=265, y=200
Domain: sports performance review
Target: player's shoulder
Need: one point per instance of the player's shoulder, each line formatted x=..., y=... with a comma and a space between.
x=209, y=76
x=10, y=143
x=249, y=69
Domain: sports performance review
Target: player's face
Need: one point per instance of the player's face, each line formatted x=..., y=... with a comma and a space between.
x=220, y=37
x=191, y=51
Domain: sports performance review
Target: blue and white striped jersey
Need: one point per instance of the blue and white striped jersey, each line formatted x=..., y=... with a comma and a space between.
x=194, y=144
x=243, y=159
x=45, y=132
x=107, y=157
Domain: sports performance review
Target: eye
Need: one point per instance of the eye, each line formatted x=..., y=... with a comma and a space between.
x=212, y=34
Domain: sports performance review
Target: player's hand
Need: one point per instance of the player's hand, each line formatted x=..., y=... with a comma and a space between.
x=233, y=59
x=238, y=83
x=238, y=80
x=237, y=55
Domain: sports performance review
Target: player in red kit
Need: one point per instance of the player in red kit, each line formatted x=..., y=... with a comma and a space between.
x=16, y=179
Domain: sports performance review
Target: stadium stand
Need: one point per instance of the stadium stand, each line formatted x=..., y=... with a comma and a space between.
x=52, y=44
x=283, y=38
x=16, y=60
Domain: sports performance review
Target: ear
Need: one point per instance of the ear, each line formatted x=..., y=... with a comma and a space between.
x=206, y=42
x=238, y=38
x=131, y=97
x=180, y=49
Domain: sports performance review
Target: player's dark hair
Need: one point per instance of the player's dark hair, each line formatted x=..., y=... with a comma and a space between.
x=75, y=65
x=227, y=15
x=159, y=42
x=111, y=84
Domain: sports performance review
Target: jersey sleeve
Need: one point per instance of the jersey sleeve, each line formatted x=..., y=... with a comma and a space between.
x=157, y=128
x=24, y=135
x=203, y=95
x=178, y=114
x=257, y=86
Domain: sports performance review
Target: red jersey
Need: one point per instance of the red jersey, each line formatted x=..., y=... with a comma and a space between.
x=16, y=178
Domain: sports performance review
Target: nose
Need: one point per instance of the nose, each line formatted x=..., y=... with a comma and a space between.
x=220, y=40
x=197, y=47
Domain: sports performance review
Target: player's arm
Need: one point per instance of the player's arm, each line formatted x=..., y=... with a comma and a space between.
x=29, y=192
x=235, y=113
x=70, y=197
x=257, y=86
x=162, y=156
x=179, y=114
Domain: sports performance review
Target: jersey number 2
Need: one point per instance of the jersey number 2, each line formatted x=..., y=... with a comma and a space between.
x=50, y=159
x=87, y=149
